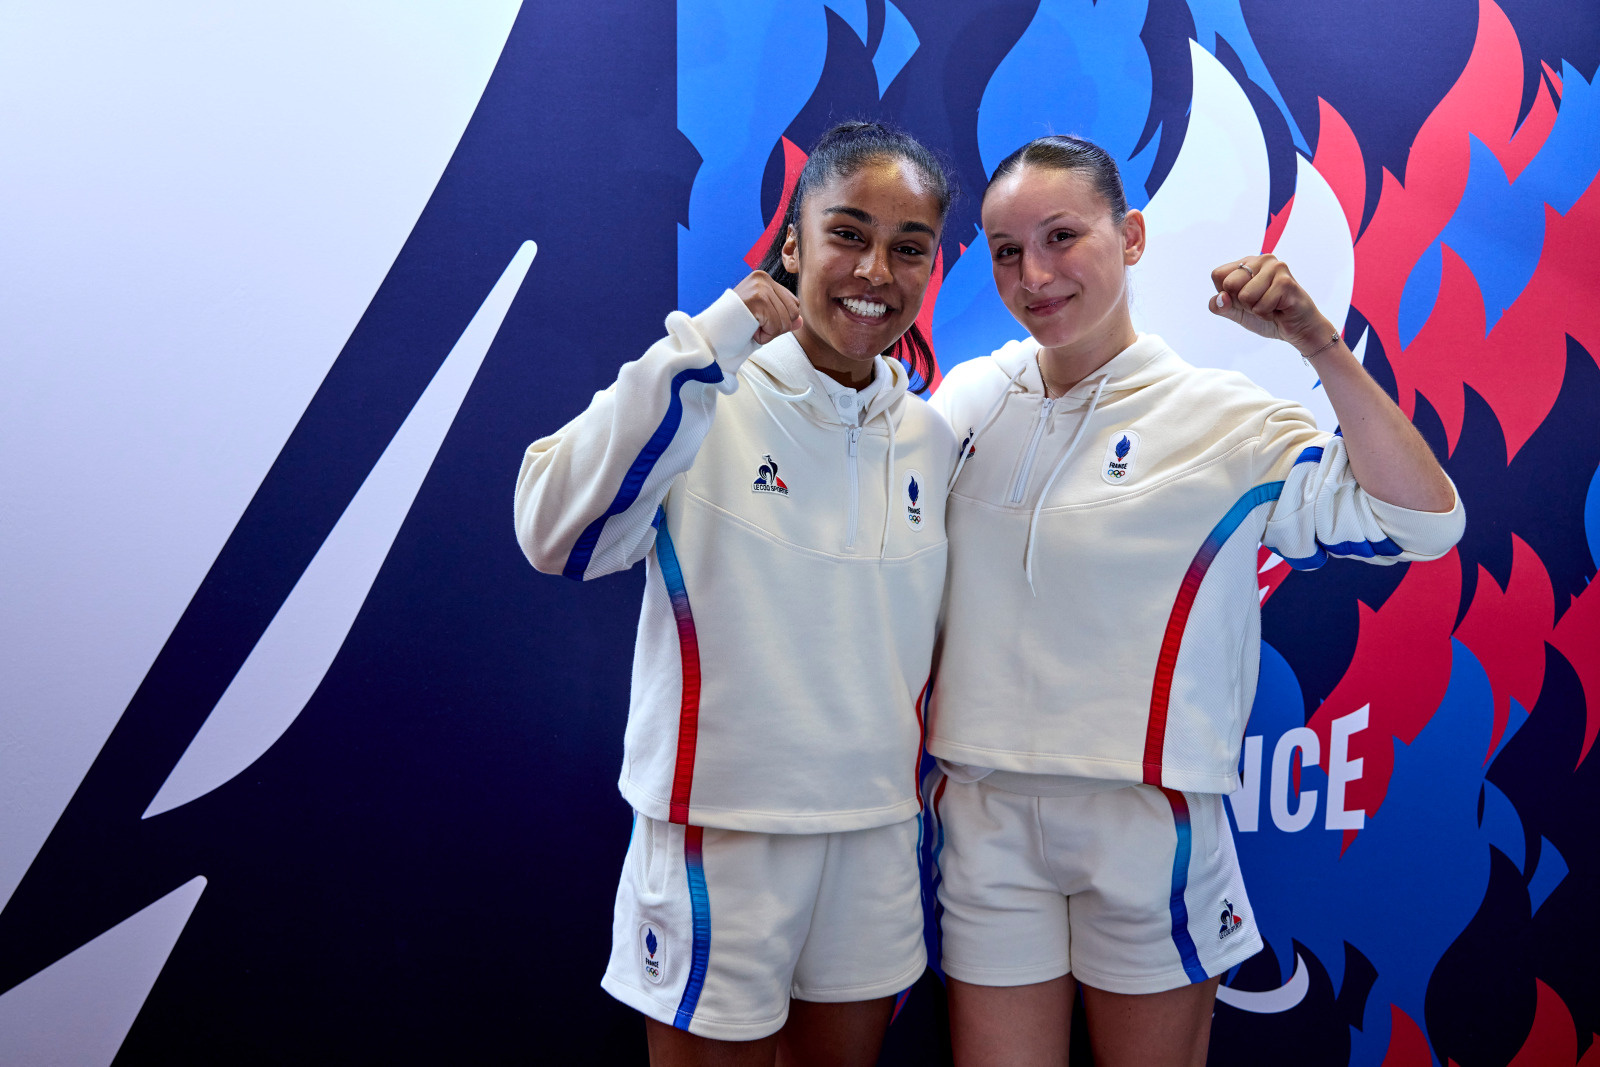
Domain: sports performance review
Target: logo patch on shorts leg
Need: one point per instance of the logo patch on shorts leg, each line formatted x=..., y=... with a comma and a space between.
x=653, y=953
x=1231, y=920
x=1121, y=451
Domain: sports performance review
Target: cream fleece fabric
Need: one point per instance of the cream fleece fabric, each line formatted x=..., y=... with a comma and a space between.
x=794, y=566
x=1134, y=654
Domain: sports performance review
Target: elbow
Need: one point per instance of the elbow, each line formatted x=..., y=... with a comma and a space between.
x=543, y=561
x=1441, y=499
x=1439, y=533
x=547, y=553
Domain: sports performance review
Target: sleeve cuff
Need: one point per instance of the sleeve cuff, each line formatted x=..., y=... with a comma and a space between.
x=729, y=328
x=1422, y=534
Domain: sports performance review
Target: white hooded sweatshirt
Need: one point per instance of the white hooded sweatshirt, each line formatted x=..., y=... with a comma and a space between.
x=795, y=559
x=1103, y=618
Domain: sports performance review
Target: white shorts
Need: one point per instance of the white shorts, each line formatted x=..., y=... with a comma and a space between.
x=1134, y=889
x=716, y=929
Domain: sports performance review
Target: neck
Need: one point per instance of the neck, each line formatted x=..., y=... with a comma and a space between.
x=854, y=377
x=1063, y=368
x=855, y=373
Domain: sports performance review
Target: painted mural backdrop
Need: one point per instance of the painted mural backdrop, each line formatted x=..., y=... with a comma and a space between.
x=301, y=763
x=1417, y=810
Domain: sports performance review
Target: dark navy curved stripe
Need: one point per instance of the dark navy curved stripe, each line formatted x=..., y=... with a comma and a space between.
x=633, y=481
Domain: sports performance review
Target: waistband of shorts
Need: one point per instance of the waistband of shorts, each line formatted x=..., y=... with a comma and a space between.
x=1051, y=785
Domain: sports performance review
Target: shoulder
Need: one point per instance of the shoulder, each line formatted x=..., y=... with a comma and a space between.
x=976, y=382
x=919, y=416
x=1223, y=391
x=989, y=372
x=1221, y=408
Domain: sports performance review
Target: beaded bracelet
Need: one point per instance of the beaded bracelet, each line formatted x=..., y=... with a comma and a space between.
x=1306, y=357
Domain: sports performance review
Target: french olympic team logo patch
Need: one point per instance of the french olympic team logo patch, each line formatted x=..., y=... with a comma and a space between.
x=653, y=951
x=913, y=491
x=1231, y=922
x=1121, y=450
x=767, y=480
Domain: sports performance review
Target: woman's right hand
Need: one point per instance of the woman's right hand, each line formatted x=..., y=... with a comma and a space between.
x=775, y=308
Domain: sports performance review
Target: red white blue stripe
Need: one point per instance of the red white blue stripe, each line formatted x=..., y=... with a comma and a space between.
x=1178, y=906
x=633, y=481
x=700, y=909
x=689, y=651
x=1155, y=737
x=920, y=706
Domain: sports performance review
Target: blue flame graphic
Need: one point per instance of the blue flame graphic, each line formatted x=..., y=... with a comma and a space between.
x=650, y=941
x=1122, y=447
x=912, y=489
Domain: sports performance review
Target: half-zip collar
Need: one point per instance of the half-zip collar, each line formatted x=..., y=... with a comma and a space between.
x=784, y=369
x=1072, y=446
x=1141, y=363
x=786, y=372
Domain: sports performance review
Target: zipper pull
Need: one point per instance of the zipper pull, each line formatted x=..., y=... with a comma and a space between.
x=852, y=436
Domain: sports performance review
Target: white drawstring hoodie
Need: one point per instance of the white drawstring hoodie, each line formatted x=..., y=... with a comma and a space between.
x=793, y=534
x=1103, y=616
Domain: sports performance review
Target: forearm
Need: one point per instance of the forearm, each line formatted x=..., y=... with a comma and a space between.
x=1387, y=454
x=1389, y=459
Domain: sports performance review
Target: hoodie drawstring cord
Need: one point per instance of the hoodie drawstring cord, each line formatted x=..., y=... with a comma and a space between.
x=888, y=486
x=1027, y=557
x=971, y=443
x=793, y=398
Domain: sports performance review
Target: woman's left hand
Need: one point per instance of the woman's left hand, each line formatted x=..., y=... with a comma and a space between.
x=1260, y=294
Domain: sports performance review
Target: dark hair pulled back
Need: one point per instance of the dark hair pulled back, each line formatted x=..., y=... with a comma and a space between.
x=1062, y=151
x=839, y=153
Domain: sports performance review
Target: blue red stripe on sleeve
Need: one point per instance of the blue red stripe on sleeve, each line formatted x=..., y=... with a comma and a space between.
x=1161, y=691
x=633, y=481
x=689, y=651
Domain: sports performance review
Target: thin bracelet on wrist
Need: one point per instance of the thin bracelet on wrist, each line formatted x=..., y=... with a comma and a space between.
x=1307, y=357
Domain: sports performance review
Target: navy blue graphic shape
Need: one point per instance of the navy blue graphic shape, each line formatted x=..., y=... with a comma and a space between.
x=326, y=919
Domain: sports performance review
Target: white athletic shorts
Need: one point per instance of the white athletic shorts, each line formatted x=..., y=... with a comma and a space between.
x=716, y=929
x=1132, y=889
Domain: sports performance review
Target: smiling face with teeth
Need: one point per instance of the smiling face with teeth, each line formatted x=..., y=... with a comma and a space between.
x=863, y=254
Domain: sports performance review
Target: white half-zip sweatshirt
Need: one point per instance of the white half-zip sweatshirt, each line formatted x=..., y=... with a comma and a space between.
x=779, y=660
x=1134, y=656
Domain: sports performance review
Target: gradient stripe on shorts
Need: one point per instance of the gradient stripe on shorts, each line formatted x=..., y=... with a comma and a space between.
x=1177, y=905
x=700, y=906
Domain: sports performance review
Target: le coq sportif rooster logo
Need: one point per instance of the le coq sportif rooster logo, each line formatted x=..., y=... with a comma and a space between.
x=767, y=480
